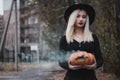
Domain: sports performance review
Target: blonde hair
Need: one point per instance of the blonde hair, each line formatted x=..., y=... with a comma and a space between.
x=87, y=34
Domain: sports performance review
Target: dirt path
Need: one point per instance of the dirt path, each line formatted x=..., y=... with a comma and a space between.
x=43, y=71
x=47, y=71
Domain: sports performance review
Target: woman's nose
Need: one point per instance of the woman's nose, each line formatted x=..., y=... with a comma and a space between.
x=80, y=18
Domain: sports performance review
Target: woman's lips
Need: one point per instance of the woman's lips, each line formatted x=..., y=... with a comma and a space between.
x=80, y=23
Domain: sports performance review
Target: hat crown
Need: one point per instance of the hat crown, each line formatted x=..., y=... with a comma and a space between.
x=89, y=10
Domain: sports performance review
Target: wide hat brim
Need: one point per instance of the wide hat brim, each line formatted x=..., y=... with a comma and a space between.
x=89, y=9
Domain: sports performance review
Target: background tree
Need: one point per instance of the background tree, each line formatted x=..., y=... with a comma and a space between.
x=117, y=9
x=106, y=30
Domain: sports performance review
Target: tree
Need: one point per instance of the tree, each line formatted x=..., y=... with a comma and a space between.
x=117, y=5
x=108, y=30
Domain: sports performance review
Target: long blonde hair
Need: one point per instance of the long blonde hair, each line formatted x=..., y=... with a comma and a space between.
x=87, y=34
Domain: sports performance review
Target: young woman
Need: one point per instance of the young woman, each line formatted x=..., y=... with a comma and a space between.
x=78, y=37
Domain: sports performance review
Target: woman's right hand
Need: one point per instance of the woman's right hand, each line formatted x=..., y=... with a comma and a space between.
x=74, y=67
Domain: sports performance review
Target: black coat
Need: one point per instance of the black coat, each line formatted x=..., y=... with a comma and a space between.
x=66, y=51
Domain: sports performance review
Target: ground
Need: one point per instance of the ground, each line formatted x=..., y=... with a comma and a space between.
x=41, y=71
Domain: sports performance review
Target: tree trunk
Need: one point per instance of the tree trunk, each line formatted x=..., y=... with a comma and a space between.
x=117, y=5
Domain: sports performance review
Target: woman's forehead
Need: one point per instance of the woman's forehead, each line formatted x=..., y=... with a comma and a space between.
x=82, y=12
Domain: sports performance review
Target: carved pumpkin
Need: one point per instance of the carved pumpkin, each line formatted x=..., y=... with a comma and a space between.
x=82, y=58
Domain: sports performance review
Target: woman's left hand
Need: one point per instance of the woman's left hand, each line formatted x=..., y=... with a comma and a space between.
x=93, y=66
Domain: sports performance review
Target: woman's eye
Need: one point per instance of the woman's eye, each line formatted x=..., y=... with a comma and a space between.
x=84, y=16
x=78, y=16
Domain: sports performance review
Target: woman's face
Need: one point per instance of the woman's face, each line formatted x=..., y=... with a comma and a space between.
x=81, y=19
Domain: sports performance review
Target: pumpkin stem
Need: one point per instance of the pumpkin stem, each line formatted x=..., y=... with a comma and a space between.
x=81, y=58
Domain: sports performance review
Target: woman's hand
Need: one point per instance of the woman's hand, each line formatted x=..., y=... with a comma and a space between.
x=75, y=67
x=93, y=66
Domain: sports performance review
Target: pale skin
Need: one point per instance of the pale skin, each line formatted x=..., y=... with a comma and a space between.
x=78, y=36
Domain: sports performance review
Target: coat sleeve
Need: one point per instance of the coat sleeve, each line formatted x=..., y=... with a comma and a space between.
x=97, y=52
x=64, y=54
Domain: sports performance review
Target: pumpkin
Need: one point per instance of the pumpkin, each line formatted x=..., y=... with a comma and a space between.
x=82, y=58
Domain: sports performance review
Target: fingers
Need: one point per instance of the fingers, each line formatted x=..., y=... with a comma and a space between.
x=74, y=67
x=93, y=66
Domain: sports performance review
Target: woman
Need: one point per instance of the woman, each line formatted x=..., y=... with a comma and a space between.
x=78, y=37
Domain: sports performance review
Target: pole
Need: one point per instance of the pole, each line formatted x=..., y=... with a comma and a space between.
x=16, y=36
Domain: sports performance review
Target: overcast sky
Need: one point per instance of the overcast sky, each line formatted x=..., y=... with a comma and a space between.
x=1, y=7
